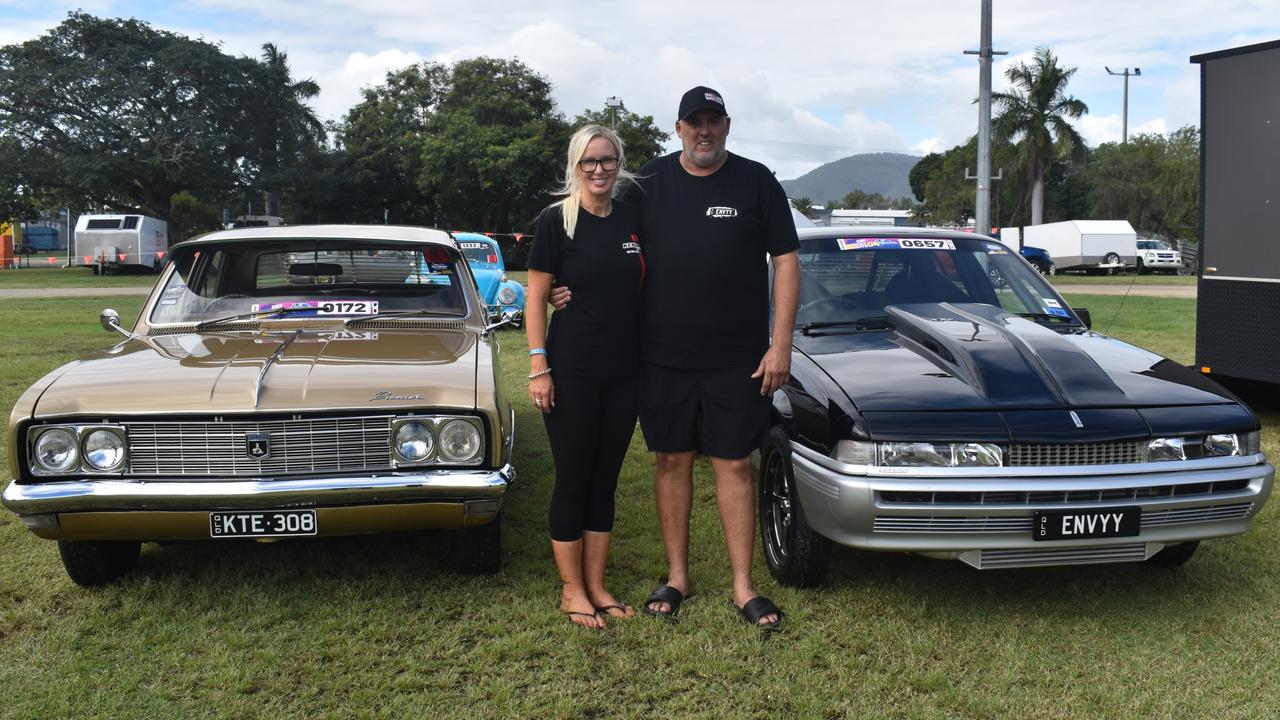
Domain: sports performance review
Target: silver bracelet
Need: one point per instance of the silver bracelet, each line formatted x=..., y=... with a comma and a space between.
x=540, y=373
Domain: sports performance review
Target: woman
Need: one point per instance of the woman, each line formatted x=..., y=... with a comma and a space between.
x=584, y=372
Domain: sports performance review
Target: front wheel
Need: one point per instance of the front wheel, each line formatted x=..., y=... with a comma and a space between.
x=796, y=555
x=97, y=562
x=478, y=550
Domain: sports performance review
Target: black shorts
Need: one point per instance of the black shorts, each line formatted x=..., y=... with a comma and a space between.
x=717, y=412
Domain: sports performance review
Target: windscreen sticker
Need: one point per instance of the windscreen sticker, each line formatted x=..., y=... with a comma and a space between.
x=473, y=245
x=899, y=243
x=1057, y=311
x=322, y=307
x=866, y=243
x=1050, y=302
x=439, y=267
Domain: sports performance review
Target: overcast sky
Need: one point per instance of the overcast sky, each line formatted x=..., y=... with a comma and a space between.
x=805, y=82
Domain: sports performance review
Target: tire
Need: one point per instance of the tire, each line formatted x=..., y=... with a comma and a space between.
x=1053, y=270
x=795, y=554
x=1174, y=555
x=90, y=563
x=478, y=550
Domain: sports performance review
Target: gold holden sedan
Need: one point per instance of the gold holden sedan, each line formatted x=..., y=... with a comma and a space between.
x=280, y=382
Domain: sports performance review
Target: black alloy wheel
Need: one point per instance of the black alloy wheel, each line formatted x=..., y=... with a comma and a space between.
x=90, y=563
x=795, y=554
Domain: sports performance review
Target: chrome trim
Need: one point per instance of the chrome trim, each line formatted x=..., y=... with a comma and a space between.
x=830, y=463
x=98, y=495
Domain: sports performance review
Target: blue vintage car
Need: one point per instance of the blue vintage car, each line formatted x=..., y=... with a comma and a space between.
x=503, y=296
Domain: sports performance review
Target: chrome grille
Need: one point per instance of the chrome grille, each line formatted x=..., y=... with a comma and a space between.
x=1113, y=453
x=218, y=449
x=987, y=559
x=990, y=524
x=1055, y=497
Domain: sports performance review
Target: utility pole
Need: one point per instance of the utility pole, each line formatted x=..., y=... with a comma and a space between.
x=1124, y=132
x=613, y=102
x=982, y=203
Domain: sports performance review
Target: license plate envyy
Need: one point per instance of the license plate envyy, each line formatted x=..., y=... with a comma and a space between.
x=262, y=523
x=1086, y=524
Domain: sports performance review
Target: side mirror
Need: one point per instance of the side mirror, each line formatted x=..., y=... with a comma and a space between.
x=1084, y=315
x=110, y=321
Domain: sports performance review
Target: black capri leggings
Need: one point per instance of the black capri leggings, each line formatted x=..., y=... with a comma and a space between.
x=590, y=428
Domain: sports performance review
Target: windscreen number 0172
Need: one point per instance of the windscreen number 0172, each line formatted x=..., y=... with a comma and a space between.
x=348, y=307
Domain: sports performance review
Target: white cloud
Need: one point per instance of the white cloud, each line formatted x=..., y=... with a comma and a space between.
x=806, y=82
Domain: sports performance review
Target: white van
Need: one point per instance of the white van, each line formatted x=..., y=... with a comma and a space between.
x=113, y=242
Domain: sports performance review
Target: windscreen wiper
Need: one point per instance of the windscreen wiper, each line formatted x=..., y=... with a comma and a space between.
x=252, y=315
x=1046, y=316
x=393, y=314
x=878, y=322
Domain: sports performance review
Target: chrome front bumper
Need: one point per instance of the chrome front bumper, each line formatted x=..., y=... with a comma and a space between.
x=857, y=506
x=98, y=495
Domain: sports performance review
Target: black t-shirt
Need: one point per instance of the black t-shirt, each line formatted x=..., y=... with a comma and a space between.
x=596, y=334
x=705, y=303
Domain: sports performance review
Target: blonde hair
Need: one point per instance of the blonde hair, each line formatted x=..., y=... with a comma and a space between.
x=572, y=184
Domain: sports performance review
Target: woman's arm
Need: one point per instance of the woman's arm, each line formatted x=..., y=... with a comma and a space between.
x=541, y=389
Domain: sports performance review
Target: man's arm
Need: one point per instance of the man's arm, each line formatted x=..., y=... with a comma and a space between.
x=775, y=366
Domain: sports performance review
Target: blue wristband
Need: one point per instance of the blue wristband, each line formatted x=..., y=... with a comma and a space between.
x=537, y=351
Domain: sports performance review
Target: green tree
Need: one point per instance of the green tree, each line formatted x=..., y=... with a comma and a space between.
x=1153, y=181
x=803, y=205
x=921, y=172
x=189, y=216
x=285, y=126
x=382, y=139
x=493, y=147
x=1035, y=115
x=642, y=137
x=117, y=114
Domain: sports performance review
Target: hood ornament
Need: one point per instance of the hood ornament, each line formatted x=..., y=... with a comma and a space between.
x=1076, y=419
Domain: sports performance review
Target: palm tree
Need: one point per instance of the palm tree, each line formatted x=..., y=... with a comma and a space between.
x=1035, y=113
x=287, y=123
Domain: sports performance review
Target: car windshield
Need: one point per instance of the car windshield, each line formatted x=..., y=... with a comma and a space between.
x=339, y=279
x=1153, y=245
x=850, y=280
x=479, y=253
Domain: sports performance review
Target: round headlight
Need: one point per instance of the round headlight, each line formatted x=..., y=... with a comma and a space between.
x=413, y=441
x=56, y=450
x=459, y=441
x=507, y=295
x=104, y=449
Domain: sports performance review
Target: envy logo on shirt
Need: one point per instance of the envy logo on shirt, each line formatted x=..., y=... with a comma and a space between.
x=722, y=212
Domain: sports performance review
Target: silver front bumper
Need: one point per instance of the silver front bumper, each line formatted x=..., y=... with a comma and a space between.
x=94, y=495
x=854, y=506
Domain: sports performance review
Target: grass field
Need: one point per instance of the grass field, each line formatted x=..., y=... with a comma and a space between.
x=1062, y=279
x=379, y=627
x=43, y=275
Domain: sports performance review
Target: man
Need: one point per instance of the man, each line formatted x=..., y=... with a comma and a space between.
x=708, y=218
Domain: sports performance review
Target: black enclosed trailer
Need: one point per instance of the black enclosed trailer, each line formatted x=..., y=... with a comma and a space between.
x=1238, y=305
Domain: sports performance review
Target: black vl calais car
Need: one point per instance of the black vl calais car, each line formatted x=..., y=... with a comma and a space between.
x=945, y=400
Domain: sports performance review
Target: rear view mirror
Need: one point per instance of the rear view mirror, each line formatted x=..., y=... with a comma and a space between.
x=1083, y=314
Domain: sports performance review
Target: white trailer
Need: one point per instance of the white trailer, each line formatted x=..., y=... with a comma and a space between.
x=113, y=242
x=1085, y=244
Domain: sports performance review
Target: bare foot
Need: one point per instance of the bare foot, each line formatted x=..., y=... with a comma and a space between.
x=605, y=602
x=581, y=611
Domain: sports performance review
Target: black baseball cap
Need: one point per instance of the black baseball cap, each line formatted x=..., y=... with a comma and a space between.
x=701, y=98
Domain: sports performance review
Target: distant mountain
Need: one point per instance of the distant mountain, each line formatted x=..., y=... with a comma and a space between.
x=884, y=173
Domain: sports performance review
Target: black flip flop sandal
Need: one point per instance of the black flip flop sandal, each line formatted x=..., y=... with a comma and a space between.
x=758, y=607
x=571, y=614
x=623, y=607
x=668, y=595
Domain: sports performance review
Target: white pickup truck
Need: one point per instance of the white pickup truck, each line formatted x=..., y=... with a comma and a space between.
x=1157, y=255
